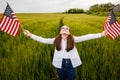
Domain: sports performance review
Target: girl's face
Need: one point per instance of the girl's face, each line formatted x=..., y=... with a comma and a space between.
x=64, y=30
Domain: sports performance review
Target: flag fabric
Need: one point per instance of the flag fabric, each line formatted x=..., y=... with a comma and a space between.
x=9, y=22
x=112, y=26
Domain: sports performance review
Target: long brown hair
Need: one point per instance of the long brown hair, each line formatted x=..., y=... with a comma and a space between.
x=70, y=42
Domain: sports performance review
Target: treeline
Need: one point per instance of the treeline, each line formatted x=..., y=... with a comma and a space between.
x=75, y=10
x=101, y=9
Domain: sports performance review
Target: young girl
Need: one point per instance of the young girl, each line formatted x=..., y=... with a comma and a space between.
x=66, y=57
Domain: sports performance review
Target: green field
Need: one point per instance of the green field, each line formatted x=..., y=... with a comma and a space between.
x=21, y=58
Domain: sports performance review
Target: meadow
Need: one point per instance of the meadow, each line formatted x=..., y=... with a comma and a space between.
x=22, y=58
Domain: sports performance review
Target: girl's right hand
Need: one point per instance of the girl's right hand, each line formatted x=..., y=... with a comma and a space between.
x=27, y=33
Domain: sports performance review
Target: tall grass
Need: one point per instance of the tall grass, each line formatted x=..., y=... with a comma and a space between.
x=24, y=59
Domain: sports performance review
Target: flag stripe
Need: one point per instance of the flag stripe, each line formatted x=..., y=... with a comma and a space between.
x=118, y=24
x=114, y=29
x=110, y=32
x=11, y=27
x=5, y=23
x=2, y=22
x=10, y=21
x=16, y=29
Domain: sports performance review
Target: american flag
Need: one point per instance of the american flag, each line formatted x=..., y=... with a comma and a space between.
x=112, y=26
x=9, y=22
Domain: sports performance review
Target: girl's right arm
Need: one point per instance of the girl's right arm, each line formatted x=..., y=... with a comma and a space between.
x=38, y=38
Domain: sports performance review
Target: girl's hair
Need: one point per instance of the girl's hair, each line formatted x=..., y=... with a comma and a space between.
x=70, y=42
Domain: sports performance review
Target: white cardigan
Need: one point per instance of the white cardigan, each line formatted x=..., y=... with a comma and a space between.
x=73, y=54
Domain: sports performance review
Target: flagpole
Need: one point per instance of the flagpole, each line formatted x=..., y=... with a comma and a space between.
x=22, y=28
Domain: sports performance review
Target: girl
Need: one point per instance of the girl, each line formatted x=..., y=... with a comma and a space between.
x=66, y=57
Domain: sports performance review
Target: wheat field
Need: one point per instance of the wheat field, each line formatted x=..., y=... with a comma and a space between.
x=22, y=58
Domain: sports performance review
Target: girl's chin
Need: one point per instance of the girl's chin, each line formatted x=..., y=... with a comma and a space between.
x=64, y=33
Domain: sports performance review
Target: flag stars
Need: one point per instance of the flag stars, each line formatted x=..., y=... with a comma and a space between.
x=8, y=12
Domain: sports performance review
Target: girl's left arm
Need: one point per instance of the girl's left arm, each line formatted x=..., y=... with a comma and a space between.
x=90, y=36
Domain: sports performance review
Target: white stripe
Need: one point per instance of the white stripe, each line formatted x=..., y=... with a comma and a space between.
x=16, y=30
x=13, y=28
x=110, y=32
x=7, y=20
x=117, y=27
x=113, y=30
x=118, y=24
x=3, y=20
x=8, y=25
x=111, y=36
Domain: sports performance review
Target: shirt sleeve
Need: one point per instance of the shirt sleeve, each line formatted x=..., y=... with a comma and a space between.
x=87, y=37
x=43, y=40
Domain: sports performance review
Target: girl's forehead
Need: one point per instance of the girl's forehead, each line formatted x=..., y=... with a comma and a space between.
x=65, y=26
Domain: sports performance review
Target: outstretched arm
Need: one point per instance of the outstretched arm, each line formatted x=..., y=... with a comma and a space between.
x=38, y=38
x=90, y=36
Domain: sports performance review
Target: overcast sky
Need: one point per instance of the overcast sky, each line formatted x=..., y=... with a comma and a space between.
x=43, y=6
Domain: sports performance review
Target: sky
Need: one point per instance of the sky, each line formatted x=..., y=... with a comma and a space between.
x=49, y=6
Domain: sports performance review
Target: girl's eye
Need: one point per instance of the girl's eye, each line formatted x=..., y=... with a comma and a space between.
x=65, y=28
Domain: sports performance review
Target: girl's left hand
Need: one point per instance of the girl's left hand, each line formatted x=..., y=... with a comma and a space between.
x=104, y=33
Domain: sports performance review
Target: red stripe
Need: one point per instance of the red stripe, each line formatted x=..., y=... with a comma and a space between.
x=13, y=14
x=117, y=28
x=108, y=19
x=13, y=28
x=3, y=22
x=16, y=24
x=111, y=29
x=6, y=24
x=9, y=26
x=117, y=24
x=105, y=27
x=114, y=29
x=112, y=37
x=16, y=29
x=110, y=32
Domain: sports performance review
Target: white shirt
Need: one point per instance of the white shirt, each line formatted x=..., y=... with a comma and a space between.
x=72, y=54
x=66, y=55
